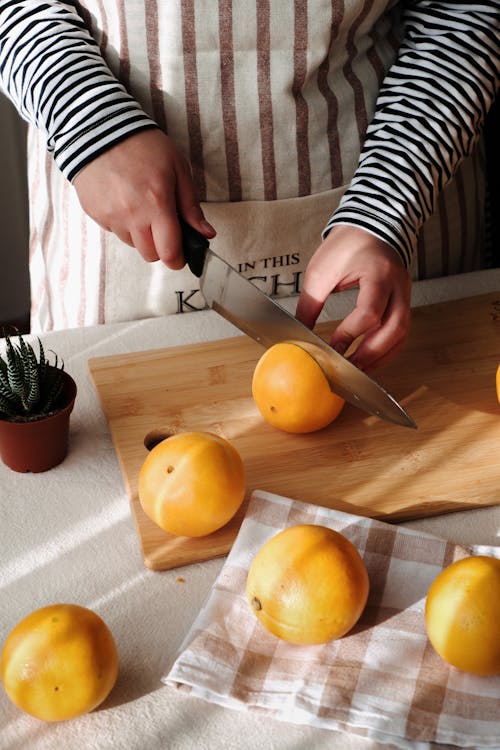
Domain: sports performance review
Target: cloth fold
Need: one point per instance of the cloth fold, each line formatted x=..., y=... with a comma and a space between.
x=383, y=680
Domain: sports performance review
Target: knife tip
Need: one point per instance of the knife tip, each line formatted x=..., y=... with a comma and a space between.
x=409, y=422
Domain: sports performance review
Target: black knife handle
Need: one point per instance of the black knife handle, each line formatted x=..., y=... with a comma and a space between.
x=195, y=247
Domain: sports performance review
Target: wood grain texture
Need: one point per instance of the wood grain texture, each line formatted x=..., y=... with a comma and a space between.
x=445, y=378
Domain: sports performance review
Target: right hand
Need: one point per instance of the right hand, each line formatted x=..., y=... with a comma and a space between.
x=349, y=257
x=136, y=189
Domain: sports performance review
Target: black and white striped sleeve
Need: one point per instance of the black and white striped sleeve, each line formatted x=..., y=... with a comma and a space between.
x=52, y=70
x=429, y=113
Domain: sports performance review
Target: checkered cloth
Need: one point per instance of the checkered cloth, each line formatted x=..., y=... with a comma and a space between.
x=383, y=680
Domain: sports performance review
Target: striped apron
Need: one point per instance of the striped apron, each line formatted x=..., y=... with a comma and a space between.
x=269, y=101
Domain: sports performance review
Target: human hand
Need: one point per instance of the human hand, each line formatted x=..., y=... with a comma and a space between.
x=349, y=257
x=136, y=189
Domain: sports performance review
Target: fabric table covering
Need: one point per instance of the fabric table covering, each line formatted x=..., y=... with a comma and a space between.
x=383, y=680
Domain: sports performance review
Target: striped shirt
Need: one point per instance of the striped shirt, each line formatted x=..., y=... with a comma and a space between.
x=269, y=101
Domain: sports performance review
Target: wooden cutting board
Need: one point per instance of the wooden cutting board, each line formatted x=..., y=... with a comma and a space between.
x=445, y=378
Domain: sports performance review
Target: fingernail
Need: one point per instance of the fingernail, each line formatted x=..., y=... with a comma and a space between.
x=208, y=227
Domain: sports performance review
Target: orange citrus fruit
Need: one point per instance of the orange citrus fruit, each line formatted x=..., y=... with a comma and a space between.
x=462, y=614
x=498, y=383
x=308, y=585
x=59, y=662
x=291, y=390
x=192, y=483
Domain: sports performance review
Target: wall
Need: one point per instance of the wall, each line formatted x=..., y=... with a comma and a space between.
x=14, y=280
x=492, y=133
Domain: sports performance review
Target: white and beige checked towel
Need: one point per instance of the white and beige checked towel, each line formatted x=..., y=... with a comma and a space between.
x=383, y=680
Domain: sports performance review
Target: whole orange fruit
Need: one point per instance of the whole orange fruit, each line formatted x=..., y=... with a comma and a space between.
x=498, y=383
x=291, y=390
x=462, y=614
x=59, y=662
x=192, y=483
x=308, y=584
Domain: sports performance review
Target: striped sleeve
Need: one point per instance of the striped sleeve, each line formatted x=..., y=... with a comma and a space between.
x=429, y=113
x=52, y=70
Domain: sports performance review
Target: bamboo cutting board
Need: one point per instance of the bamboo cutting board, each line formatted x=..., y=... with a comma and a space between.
x=445, y=378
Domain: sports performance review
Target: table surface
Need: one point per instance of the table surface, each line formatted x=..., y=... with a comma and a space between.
x=68, y=536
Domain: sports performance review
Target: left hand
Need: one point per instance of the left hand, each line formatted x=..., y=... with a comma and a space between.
x=349, y=257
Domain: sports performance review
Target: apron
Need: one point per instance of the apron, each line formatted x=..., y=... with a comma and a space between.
x=268, y=242
x=273, y=144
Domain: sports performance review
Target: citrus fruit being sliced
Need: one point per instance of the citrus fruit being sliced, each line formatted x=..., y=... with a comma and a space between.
x=308, y=585
x=192, y=483
x=291, y=390
x=59, y=662
x=462, y=614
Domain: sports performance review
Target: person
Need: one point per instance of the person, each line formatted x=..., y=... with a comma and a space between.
x=317, y=145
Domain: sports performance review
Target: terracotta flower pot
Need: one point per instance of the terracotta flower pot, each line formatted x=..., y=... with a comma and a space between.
x=40, y=445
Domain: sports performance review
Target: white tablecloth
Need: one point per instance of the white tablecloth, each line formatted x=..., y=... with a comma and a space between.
x=68, y=535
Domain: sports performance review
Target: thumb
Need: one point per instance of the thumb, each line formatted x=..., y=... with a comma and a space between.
x=308, y=309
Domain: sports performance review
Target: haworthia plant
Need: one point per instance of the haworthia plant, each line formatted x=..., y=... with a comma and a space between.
x=30, y=385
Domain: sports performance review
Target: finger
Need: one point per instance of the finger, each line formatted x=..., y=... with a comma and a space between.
x=370, y=307
x=383, y=360
x=144, y=243
x=166, y=233
x=196, y=218
x=318, y=285
x=376, y=346
x=308, y=309
x=188, y=204
x=383, y=343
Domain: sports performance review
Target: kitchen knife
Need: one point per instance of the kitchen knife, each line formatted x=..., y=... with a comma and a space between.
x=246, y=306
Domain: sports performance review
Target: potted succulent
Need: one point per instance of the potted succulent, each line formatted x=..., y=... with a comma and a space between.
x=36, y=400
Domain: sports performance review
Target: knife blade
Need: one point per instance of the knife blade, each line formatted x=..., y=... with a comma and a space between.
x=247, y=307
